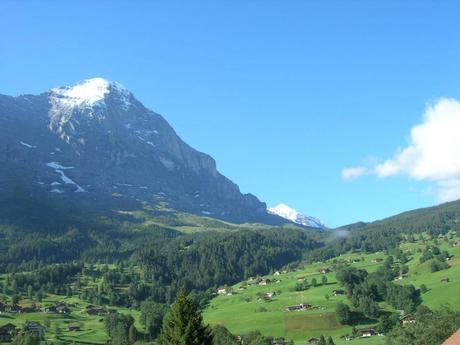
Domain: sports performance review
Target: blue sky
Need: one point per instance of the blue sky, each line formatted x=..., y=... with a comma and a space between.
x=284, y=95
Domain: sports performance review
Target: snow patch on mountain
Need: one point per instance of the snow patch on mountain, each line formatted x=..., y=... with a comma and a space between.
x=89, y=92
x=58, y=168
x=27, y=145
x=289, y=213
x=56, y=165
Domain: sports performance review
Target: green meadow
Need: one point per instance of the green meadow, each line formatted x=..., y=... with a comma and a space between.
x=244, y=311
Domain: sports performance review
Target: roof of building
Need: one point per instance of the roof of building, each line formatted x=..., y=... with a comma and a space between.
x=454, y=339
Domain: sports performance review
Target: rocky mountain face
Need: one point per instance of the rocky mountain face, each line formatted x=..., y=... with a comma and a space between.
x=94, y=143
x=288, y=213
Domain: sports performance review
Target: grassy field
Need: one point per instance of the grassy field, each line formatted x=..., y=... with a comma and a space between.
x=92, y=329
x=244, y=311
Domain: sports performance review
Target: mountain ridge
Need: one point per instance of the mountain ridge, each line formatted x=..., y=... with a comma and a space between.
x=97, y=139
x=286, y=212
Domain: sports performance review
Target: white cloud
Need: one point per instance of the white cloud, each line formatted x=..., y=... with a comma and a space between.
x=433, y=151
x=353, y=172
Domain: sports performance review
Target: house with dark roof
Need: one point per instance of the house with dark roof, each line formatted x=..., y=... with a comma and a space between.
x=338, y=292
x=32, y=326
x=7, y=332
x=407, y=319
x=366, y=332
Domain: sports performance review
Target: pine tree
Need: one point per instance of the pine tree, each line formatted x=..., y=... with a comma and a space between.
x=183, y=325
x=330, y=341
x=322, y=341
x=132, y=334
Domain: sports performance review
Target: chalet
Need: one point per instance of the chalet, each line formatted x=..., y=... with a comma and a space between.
x=407, y=319
x=100, y=311
x=299, y=307
x=325, y=270
x=7, y=332
x=51, y=310
x=456, y=244
x=32, y=309
x=338, y=292
x=36, y=328
x=265, y=282
x=313, y=341
x=277, y=273
x=62, y=309
x=279, y=341
x=15, y=309
x=73, y=328
x=401, y=277
x=377, y=260
x=445, y=280
x=221, y=291
x=242, y=288
x=366, y=332
x=270, y=294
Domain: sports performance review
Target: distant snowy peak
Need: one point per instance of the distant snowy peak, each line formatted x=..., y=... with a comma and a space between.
x=288, y=213
x=89, y=92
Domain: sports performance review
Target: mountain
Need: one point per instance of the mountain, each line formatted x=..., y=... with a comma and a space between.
x=95, y=145
x=288, y=213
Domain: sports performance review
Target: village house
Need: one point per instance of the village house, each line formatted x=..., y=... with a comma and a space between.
x=407, y=319
x=73, y=328
x=302, y=306
x=15, y=309
x=338, y=292
x=7, y=332
x=35, y=327
x=445, y=280
x=279, y=341
x=401, y=277
x=264, y=282
x=270, y=294
x=63, y=309
x=377, y=260
x=312, y=341
x=456, y=244
x=277, y=273
x=366, y=332
x=221, y=291
x=31, y=309
x=100, y=311
x=2, y=307
x=325, y=270
x=50, y=310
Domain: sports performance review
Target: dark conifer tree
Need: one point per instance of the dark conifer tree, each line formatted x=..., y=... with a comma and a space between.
x=183, y=325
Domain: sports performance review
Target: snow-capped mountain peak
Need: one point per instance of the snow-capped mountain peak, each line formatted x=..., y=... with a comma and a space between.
x=88, y=93
x=289, y=213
